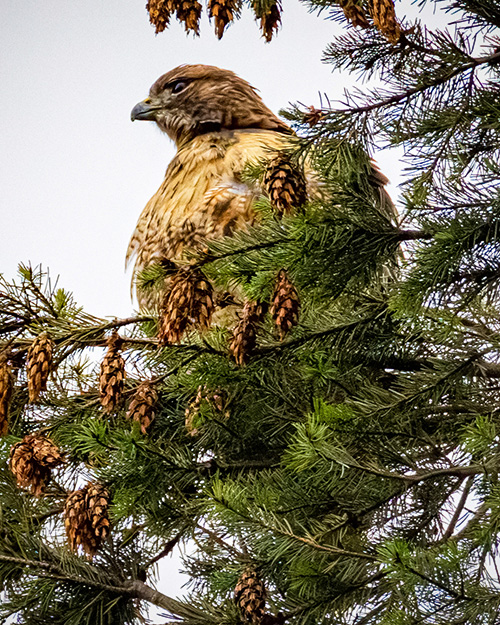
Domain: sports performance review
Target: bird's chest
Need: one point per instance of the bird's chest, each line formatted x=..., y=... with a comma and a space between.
x=193, y=172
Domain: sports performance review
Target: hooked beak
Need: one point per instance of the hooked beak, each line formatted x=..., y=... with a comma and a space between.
x=144, y=110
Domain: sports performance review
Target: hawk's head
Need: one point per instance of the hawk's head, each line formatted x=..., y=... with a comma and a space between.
x=194, y=99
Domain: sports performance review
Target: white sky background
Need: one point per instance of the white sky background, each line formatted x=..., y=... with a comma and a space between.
x=75, y=173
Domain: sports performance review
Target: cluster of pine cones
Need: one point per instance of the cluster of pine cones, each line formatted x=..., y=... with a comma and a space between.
x=223, y=12
x=33, y=459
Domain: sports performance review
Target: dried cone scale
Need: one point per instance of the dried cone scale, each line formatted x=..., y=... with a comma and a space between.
x=38, y=365
x=31, y=461
x=285, y=305
x=188, y=302
x=142, y=405
x=86, y=518
x=6, y=388
x=250, y=597
x=245, y=333
x=285, y=184
x=112, y=374
x=384, y=18
x=223, y=12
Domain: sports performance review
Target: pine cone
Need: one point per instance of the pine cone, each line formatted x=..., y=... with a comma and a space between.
x=112, y=374
x=269, y=14
x=6, y=388
x=245, y=333
x=39, y=364
x=313, y=116
x=286, y=304
x=250, y=597
x=160, y=12
x=285, y=184
x=188, y=302
x=142, y=405
x=189, y=12
x=384, y=18
x=31, y=460
x=76, y=521
x=214, y=398
x=223, y=12
x=354, y=13
x=97, y=502
x=86, y=518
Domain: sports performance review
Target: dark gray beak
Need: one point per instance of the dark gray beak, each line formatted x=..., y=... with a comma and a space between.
x=143, y=110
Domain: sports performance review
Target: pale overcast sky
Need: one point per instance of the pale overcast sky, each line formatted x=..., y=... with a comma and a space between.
x=75, y=173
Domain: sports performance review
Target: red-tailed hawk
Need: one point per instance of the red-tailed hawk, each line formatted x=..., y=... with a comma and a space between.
x=219, y=124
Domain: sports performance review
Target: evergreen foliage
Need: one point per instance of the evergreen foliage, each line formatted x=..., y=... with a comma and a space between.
x=352, y=465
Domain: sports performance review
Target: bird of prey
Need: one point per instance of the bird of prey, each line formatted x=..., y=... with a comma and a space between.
x=219, y=124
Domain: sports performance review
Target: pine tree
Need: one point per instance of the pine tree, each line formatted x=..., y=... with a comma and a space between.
x=348, y=472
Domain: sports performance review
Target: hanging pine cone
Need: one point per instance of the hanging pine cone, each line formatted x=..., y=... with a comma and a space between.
x=285, y=184
x=285, y=305
x=38, y=364
x=76, y=521
x=188, y=12
x=384, y=18
x=31, y=461
x=269, y=14
x=223, y=12
x=112, y=374
x=97, y=502
x=215, y=399
x=86, y=518
x=250, y=597
x=6, y=388
x=354, y=13
x=160, y=12
x=188, y=302
x=142, y=405
x=245, y=333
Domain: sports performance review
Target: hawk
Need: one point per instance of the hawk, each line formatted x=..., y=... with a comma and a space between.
x=219, y=124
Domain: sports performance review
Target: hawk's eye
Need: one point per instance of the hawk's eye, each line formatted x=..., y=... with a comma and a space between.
x=179, y=86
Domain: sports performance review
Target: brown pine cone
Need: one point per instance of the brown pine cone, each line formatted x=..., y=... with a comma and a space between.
x=285, y=305
x=6, y=388
x=76, y=522
x=250, y=597
x=112, y=374
x=223, y=12
x=216, y=399
x=245, y=333
x=86, y=518
x=285, y=184
x=31, y=460
x=384, y=18
x=39, y=363
x=269, y=14
x=142, y=405
x=160, y=12
x=97, y=502
x=189, y=12
x=354, y=13
x=188, y=302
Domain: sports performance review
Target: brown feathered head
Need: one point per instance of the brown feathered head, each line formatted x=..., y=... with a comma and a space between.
x=191, y=100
